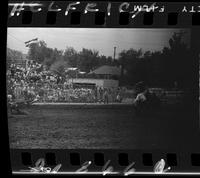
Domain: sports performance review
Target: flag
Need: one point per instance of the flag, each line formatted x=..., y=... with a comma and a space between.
x=27, y=43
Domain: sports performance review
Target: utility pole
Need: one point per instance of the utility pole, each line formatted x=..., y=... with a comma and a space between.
x=114, y=53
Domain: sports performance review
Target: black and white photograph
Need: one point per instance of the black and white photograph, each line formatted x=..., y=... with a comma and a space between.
x=99, y=88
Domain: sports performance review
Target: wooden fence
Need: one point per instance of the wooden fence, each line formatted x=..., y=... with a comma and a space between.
x=169, y=96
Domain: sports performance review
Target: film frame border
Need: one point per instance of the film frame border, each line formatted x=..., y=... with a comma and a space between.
x=182, y=21
x=119, y=162
x=65, y=14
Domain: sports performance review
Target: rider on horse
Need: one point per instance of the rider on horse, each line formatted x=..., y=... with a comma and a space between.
x=145, y=101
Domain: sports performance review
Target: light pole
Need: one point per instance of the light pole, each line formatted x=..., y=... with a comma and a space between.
x=114, y=53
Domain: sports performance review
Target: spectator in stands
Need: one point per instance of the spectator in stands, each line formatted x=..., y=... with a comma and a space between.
x=32, y=82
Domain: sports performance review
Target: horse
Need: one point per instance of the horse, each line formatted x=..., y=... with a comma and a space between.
x=15, y=106
x=146, y=103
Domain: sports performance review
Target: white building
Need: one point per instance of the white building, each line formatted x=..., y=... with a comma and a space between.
x=104, y=76
x=105, y=83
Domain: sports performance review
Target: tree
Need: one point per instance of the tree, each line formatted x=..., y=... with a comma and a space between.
x=129, y=61
x=103, y=60
x=13, y=55
x=160, y=68
x=71, y=56
x=49, y=58
x=58, y=67
x=38, y=51
x=177, y=58
x=88, y=60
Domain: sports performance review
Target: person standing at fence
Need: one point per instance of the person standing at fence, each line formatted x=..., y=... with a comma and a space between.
x=118, y=97
x=100, y=94
x=112, y=94
x=105, y=96
x=95, y=94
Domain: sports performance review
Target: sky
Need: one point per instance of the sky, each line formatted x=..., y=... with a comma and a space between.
x=102, y=39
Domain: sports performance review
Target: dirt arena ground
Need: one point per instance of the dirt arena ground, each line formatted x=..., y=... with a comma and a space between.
x=61, y=127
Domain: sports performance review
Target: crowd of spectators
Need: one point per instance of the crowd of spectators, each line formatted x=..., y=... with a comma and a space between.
x=35, y=82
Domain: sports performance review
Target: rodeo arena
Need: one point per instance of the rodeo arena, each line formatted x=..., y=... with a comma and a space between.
x=51, y=107
x=28, y=82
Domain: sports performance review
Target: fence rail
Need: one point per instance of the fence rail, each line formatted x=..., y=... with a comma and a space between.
x=62, y=93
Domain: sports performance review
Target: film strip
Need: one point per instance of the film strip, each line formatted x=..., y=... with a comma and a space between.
x=120, y=162
x=73, y=135
x=106, y=14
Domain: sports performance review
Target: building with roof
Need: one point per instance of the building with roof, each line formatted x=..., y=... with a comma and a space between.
x=107, y=72
x=92, y=83
x=104, y=76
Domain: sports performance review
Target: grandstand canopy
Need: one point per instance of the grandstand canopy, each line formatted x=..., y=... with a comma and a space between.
x=107, y=70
